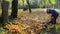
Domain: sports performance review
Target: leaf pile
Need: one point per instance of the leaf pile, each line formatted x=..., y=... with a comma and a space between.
x=28, y=23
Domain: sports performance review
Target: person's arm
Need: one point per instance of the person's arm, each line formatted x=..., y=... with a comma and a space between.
x=50, y=17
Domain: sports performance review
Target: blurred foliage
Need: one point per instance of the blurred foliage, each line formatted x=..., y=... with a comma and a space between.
x=53, y=1
x=21, y=2
x=47, y=3
x=39, y=3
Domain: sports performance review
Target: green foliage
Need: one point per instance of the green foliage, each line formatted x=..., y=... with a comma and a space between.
x=53, y=1
x=47, y=3
x=21, y=2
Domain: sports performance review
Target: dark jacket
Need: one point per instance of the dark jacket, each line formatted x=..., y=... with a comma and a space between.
x=54, y=13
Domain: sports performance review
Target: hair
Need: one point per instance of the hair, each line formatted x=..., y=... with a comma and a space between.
x=48, y=11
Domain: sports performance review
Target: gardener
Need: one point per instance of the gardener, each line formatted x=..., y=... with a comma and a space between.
x=54, y=15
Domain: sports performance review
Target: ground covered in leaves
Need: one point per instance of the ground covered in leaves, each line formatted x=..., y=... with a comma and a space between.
x=30, y=23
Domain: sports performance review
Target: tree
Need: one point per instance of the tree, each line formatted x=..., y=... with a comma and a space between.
x=24, y=6
x=23, y=2
x=4, y=17
x=14, y=8
x=29, y=6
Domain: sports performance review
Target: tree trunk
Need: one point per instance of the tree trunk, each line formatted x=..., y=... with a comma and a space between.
x=29, y=6
x=4, y=17
x=23, y=5
x=23, y=2
x=14, y=8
